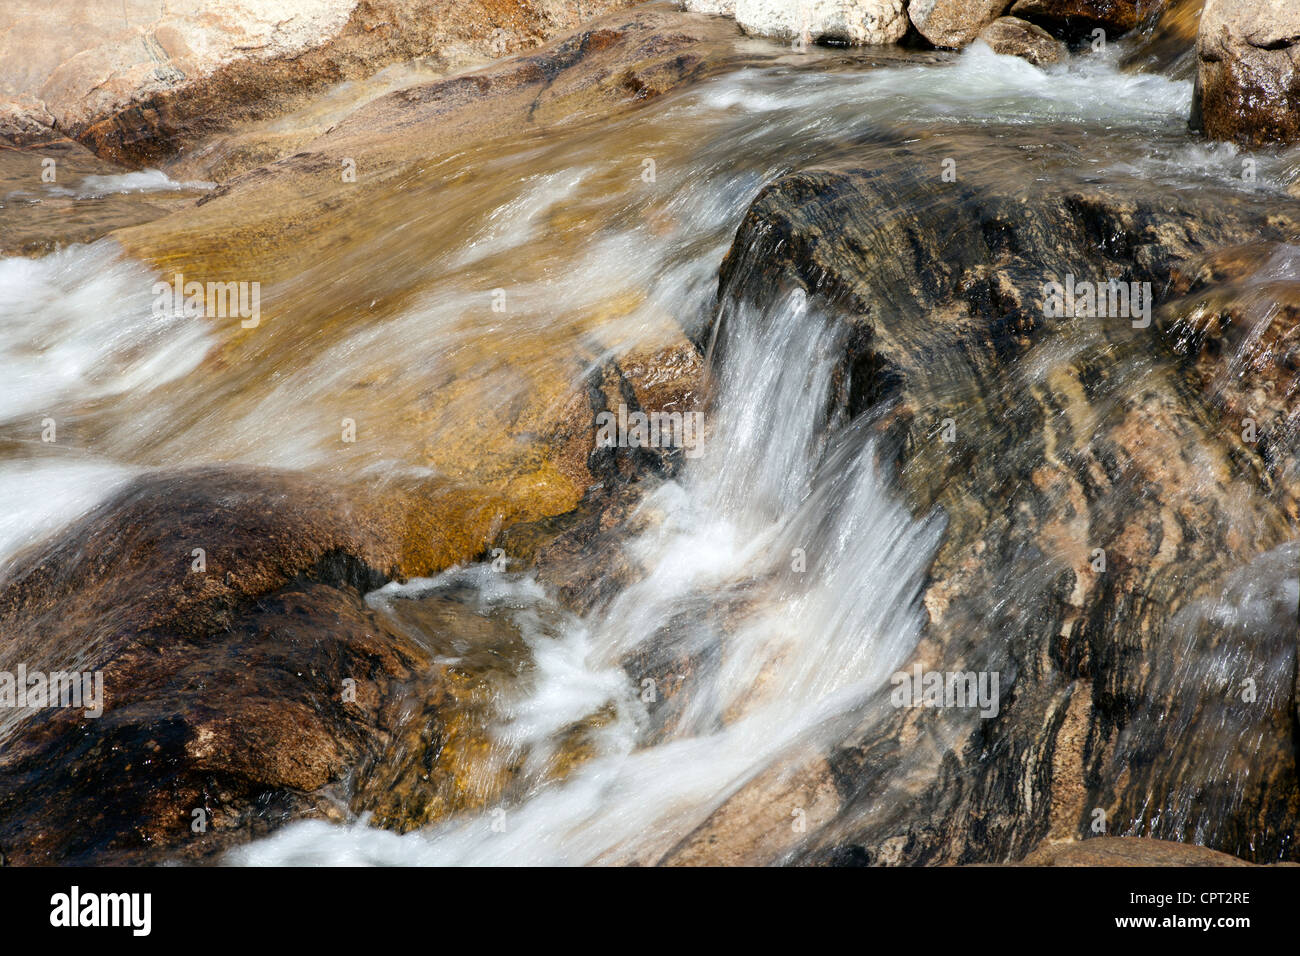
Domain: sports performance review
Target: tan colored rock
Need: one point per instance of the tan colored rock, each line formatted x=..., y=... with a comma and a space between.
x=140, y=80
x=1248, y=75
x=954, y=23
x=1015, y=37
x=1129, y=851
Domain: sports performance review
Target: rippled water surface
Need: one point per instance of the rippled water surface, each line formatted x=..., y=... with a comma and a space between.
x=391, y=325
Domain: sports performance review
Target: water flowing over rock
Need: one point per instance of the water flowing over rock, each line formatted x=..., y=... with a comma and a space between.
x=1248, y=79
x=1168, y=44
x=1069, y=438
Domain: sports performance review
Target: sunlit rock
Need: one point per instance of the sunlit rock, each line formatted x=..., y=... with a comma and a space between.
x=1015, y=37
x=1248, y=80
x=139, y=81
x=857, y=22
x=954, y=23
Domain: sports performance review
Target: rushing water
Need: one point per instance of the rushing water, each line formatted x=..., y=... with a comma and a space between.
x=794, y=529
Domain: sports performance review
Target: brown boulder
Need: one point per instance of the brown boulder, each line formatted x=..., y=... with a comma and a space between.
x=954, y=23
x=1015, y=37
x=224, y=611
x=1248, y=76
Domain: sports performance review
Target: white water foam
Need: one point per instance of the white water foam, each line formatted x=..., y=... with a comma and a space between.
x=76, y=328
x=809, y=642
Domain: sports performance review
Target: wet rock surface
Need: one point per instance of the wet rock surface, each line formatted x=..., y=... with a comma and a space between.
x=1077, y=18
x=1248, y=77
x=1122, y=698
x=224, y=612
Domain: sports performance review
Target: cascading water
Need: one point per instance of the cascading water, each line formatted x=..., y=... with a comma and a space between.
x=782, y=568
x=798, y=525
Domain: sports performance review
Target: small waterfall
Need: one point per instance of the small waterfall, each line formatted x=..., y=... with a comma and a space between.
x=777, y=577
x=790, y=526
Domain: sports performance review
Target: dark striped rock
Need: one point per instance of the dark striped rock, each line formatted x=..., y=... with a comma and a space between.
x=1127, y=688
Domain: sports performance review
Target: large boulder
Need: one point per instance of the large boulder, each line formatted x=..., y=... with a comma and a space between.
x=1248, y=76
x=243, y=676
x=954, y=23
x=858, y=22
x=1012, y=36
x=1144, y=545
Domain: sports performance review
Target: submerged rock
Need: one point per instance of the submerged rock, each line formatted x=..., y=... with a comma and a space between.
x=1248, y=77
x=1015, y=37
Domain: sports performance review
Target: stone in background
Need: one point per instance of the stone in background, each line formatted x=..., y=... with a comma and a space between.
x=954, y=23
x=859, y=22
x=1012, y=36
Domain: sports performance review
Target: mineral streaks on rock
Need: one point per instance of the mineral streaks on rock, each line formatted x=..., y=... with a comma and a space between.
x=1087, y=456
